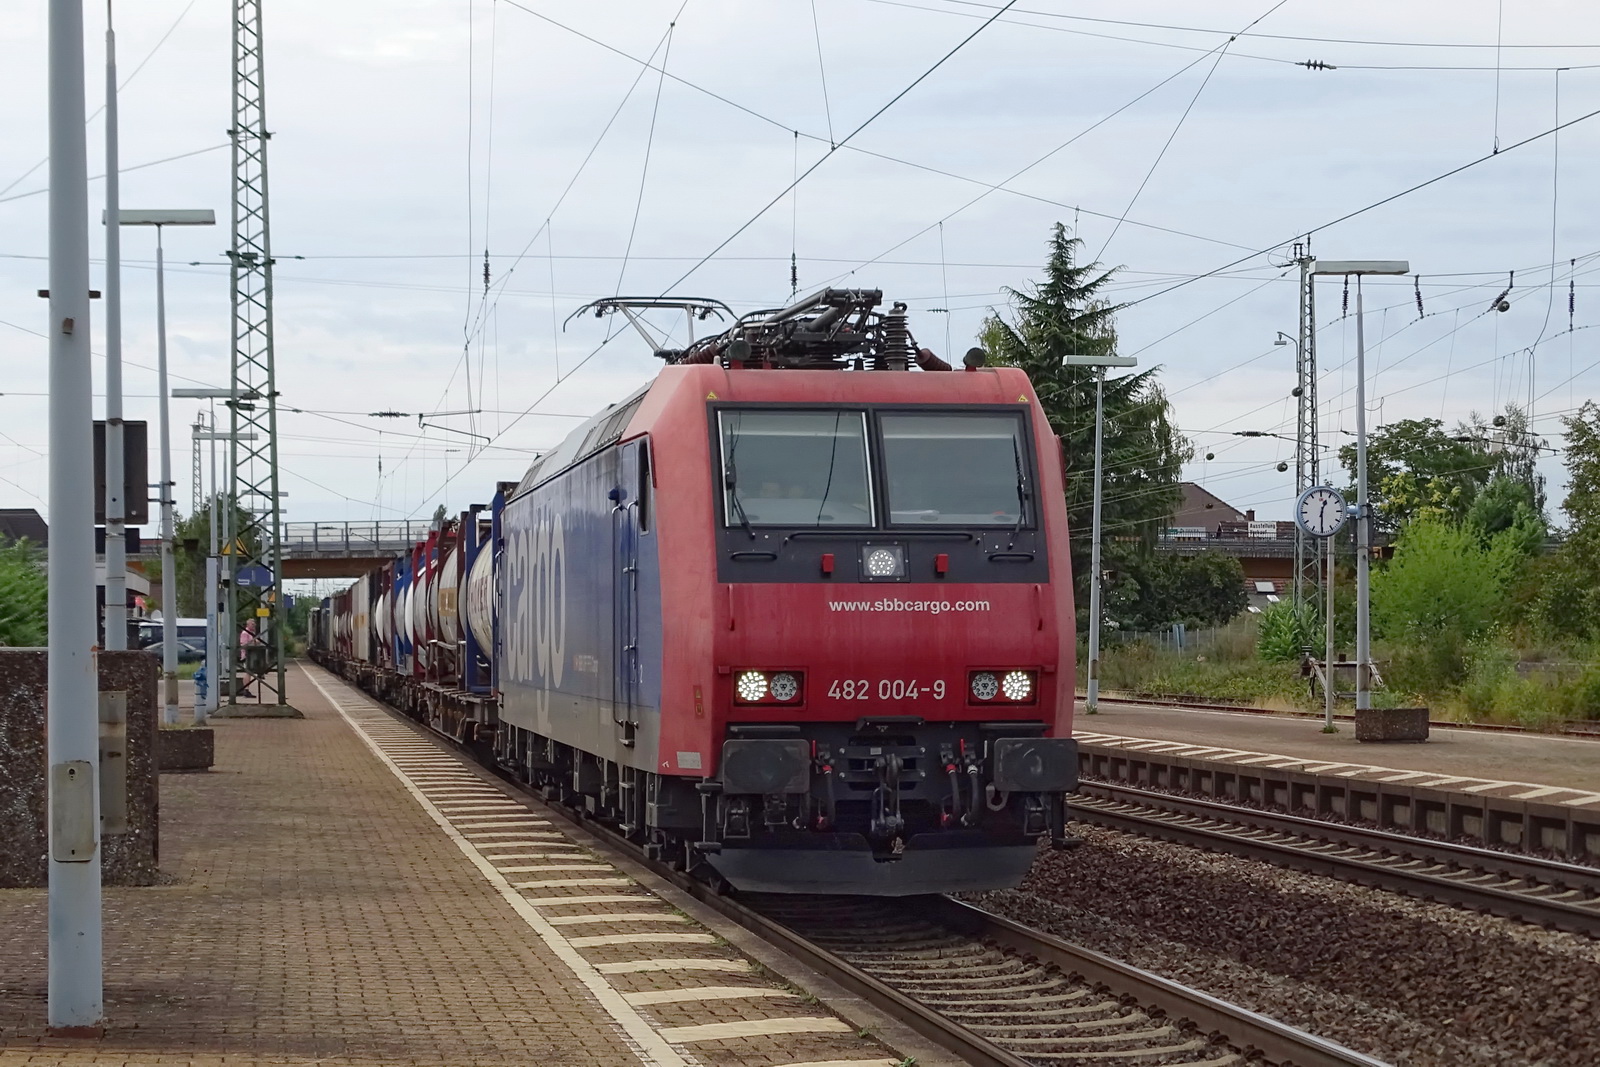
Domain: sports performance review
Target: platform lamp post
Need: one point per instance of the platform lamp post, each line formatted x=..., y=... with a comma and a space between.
x=213, y=585
x=169, y=591
x=1092, y=702
x=1363, y=509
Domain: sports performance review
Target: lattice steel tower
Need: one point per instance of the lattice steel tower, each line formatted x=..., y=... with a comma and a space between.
x=1307, y=458
x=252, y=550
x=196, y=484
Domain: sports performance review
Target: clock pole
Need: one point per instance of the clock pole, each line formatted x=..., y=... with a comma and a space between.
x=1327, y=659
x=1323, y=530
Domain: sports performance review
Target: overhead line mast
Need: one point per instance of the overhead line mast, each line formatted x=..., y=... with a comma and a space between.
x=253, y=561
x=1307, y=458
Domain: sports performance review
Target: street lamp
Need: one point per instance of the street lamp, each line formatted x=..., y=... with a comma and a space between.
x=169, y=591
x=213, y=561
x=1363, y=509
x=1092, y=702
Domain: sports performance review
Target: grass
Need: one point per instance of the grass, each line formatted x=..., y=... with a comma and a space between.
x=1221, y=665
x=1148, y=672
x=1513, y=687
x=1493, y=681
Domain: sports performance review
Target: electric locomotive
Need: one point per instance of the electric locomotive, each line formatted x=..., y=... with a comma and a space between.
x=797, y=614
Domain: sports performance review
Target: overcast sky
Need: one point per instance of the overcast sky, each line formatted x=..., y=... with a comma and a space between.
x=408, y=135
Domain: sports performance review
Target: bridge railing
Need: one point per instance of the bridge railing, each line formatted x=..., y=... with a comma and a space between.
x=371, y=538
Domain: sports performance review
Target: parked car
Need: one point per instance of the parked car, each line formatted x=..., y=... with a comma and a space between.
x=191, y=638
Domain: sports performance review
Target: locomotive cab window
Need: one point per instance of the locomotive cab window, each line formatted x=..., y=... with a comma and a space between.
x=963, y=469
x=795, y=468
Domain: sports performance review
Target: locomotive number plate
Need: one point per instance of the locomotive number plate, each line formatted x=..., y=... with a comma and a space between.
x=886, y=689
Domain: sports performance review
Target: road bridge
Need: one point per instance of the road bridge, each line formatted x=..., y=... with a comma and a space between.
x=346, y=549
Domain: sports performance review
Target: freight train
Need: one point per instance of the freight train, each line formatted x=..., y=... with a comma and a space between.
x=797, y=615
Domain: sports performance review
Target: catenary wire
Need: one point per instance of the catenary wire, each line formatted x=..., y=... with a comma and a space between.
x=99, y=110
x=1221, y=51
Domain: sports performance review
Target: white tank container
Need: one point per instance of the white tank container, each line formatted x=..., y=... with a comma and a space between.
x=477, y=604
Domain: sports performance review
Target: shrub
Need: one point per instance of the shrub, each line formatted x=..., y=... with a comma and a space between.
x=1446, y=588
x=1285, y=629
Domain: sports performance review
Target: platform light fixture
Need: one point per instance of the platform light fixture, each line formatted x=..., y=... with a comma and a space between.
x=160, y=218
x=1357, y=268
x=1092, y=702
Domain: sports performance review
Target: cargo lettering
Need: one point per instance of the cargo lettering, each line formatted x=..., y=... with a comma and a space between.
x=536, y=559
x=891, y=604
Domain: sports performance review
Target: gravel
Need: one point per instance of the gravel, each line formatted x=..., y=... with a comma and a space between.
x=1410, y=982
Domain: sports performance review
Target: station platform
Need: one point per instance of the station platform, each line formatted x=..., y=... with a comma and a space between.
x=339, y=890
x=1549, y=768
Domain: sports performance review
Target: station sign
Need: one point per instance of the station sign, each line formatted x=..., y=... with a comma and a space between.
x=255, y=576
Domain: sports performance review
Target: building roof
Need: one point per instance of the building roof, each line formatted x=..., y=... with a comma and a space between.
x=17, y=523
x=1202, y=508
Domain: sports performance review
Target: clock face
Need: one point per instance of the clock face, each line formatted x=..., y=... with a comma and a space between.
x=1320, y=512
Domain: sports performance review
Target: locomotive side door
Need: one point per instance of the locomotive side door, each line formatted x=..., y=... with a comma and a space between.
x=625, y=517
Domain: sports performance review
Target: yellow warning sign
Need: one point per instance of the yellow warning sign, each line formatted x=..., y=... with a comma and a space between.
x=262, y=613
x=711, y=396
x=1022, y=400
x=235, y=549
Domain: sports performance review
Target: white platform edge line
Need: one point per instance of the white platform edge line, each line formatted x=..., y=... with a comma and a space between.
x=650, y=1046
x=1358, y=768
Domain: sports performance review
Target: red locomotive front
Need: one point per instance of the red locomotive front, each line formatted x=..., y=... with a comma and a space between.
x=867, y=641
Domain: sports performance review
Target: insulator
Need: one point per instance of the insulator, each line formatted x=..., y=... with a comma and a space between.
x=1418, y=282
x=895, y=348
x=1345, y=307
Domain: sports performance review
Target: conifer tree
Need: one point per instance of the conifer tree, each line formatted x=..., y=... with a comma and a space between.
x=1066, y=314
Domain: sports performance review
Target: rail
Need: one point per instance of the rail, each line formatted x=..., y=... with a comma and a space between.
x=1528, y=888
x=1004, y=993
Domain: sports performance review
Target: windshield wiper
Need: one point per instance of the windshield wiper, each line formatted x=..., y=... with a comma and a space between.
x=1022, y=488
x=730, y=483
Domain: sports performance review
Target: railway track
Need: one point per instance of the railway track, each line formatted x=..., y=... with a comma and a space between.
x=992, y=991
x=1548, y=893
x=999, y=993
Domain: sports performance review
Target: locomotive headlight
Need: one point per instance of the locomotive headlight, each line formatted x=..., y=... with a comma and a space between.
x=784, y=686
x=985, y=686
x=883, y=562
x=1017, y=685
x=752, y=686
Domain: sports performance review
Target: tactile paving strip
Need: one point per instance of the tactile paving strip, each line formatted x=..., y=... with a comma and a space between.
x=677, y=993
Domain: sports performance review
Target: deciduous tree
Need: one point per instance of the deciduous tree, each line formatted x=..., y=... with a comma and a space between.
x=1418, y=469
x=192, y=537
x=1203, y=590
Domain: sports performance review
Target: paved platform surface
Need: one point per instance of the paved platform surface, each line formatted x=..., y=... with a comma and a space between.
x=1556, y=770
x=340, y=891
